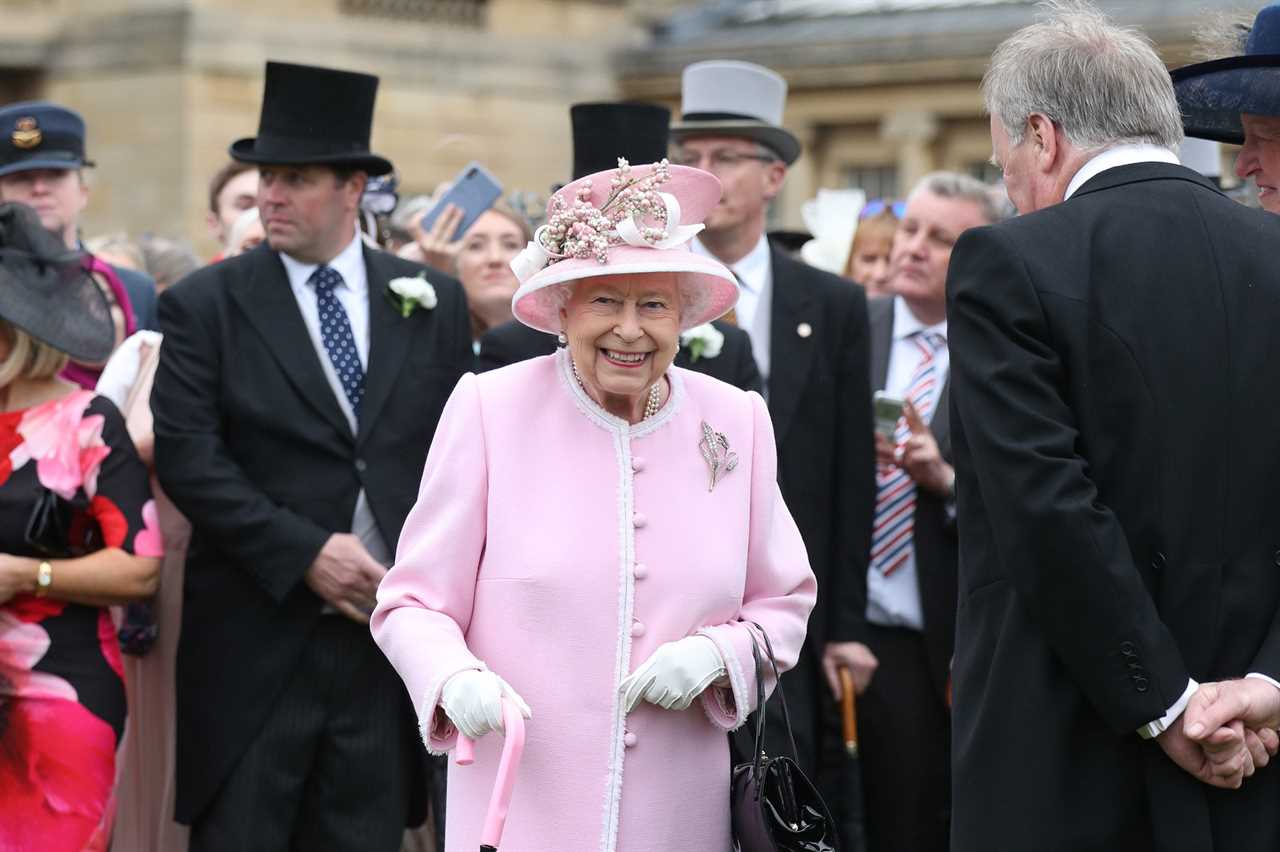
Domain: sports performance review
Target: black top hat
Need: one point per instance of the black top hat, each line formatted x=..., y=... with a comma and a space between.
x=46, y=291
x=603, y=132
x=40, y=135
x=1212, y=95
x=314, y=116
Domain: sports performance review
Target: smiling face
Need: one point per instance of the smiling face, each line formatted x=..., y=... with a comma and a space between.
x=1259, y=158
x=484, y=266
x=623, y=332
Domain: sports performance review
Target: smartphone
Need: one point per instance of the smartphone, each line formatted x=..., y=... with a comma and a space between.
x=473, y=191
x=887, y=411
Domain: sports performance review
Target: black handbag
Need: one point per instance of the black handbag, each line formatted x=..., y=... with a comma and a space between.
x=775, y=808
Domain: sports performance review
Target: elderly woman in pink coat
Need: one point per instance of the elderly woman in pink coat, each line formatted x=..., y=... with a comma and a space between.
x=595, y=533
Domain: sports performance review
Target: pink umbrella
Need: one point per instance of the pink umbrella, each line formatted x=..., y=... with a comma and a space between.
x=500, y=801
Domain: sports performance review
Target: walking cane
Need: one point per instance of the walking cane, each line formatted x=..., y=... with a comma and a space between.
x=848, y=712
x=500, y=801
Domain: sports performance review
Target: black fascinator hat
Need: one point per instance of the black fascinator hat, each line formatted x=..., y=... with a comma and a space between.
x=46, y=291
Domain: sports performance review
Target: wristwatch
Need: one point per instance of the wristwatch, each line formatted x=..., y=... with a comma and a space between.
x=44, y=578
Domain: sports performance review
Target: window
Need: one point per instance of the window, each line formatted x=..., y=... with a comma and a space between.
x=875, y=181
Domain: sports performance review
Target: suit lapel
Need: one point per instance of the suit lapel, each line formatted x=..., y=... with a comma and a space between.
x=880, y=318
x=389, y=337
x=790, y=352
x=267, y=300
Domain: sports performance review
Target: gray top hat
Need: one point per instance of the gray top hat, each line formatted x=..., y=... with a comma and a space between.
x=726, y=98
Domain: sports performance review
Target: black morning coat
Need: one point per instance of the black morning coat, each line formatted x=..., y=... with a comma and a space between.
x=1116, y=426
x=253, y=448
x=514, y=341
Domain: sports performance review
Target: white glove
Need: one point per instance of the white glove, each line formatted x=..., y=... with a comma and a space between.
x=675, y=674
x=473, y=702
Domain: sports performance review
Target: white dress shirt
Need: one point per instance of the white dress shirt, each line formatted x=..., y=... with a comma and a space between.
x=755, y=298
x=354, y=298
x=894, y=601
x=1127, y=155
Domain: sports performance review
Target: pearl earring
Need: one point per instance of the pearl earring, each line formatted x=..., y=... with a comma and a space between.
x=562, y=339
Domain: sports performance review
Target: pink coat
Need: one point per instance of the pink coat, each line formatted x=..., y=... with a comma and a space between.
x=559, y=546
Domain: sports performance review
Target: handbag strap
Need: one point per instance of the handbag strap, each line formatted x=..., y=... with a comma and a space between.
x=761, y=700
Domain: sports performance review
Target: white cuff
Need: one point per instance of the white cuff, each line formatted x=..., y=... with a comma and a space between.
x=1155, y=728
x=1261, y=676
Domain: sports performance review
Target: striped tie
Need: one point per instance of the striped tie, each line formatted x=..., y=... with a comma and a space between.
x=891, y=542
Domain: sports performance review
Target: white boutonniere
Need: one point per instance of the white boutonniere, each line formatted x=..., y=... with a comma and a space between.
x=702, y=341
x=409, y=294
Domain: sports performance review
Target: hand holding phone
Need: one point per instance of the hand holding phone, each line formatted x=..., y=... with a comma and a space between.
x=473, y=192
x=887, y=411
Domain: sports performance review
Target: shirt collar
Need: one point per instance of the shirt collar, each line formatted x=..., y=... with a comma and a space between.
x=751, y=269
x=1120, y=155
x=906, y=323
x=348, y=263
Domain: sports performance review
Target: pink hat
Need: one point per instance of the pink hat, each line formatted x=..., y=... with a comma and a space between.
x=626, y=221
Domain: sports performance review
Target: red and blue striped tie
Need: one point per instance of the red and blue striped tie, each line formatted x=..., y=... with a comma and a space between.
x=891, y=538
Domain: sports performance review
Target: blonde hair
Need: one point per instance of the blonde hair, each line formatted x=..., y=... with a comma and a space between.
x=881, y=226
x=28, y=357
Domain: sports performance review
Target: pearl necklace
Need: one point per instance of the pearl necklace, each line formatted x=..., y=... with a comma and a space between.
x=651, y=404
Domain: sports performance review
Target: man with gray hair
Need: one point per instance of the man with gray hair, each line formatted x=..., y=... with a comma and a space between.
x=904, y=624
x=1119, y=538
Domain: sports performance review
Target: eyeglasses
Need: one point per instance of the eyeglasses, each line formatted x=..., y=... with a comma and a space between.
x=879, y=205
x=718, y=160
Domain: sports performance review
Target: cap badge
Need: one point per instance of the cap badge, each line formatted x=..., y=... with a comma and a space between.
x=26, y=134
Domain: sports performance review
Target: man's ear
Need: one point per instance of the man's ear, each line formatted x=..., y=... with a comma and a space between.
x=1043, y=134
x=775, y=174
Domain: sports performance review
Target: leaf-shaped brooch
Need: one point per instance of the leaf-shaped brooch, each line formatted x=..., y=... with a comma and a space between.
x=715, y=450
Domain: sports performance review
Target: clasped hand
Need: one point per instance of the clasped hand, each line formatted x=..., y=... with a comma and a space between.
x=473, y=702
x=346, y=577
x=1227, y=732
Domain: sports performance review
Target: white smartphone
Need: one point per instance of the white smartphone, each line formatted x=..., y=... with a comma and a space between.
x=887, y=411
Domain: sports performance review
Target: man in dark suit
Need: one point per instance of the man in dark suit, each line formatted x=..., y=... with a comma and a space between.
x=809, y=334
x=42, y=163
x=907, y=625
x=294, y=405
x=1116, y=430
x=637, y=132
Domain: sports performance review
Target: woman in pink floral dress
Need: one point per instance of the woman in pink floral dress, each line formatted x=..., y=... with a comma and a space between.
x=78, y=533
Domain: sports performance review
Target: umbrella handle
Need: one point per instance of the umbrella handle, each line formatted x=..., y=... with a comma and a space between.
x=512, y=751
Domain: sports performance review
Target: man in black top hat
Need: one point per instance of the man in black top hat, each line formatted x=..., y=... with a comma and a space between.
x=294, y=404
x=42, y=158
x=603, y=132
x=809, y=332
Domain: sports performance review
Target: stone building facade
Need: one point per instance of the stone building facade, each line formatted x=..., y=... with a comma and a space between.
x=882, y=91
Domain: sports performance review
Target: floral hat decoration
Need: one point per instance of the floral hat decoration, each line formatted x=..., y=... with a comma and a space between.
x=632, y=220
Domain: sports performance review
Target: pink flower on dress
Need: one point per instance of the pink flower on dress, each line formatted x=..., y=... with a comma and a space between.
x=148, y=541
x=67, y=446
x=56, y=757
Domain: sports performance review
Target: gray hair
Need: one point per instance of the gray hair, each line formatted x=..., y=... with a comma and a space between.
x=991, y=200
x=1101, y=83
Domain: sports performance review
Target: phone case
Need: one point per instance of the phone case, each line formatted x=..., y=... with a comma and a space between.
x=474, y=191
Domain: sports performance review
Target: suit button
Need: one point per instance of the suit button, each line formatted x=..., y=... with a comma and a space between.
x=639, y=520
x=361, y=466
x=1159, y=562
x=629, y=740
x=1126, y=648
x=637, y=629
x=640, y=571
x=637, y=464
x=1140, y=683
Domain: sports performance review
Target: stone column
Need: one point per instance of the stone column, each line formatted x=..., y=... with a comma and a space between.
x=911, y=132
